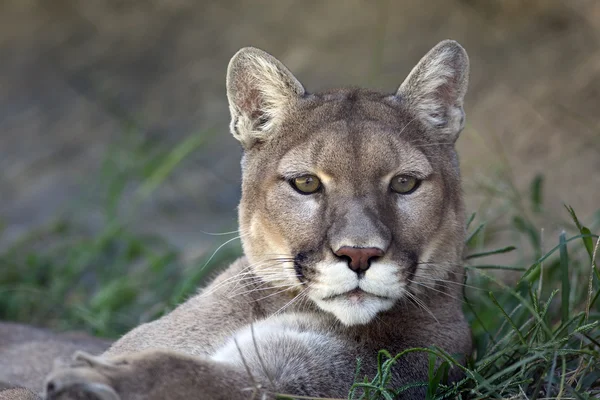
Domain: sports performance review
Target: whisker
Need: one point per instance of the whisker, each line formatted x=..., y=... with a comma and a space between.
x=304, y=303
x=279, y=257
x=268, y=277
x=253, y=281
x=260, y=289
x=419, y=303
x=242, y=275
x=245, y=273
x=436, y=290
x=449, y=282
x=280, y=291
x=220, y=233
x=440, y=264
x=265, y=278
x=304, y=292
x=220, y=247
x=406, y=126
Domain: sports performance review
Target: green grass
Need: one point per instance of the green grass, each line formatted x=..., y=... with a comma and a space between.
x=535, y=338
x=110, y=280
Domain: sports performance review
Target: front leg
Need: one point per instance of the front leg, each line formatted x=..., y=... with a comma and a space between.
x=280, y=356
x=153, y=374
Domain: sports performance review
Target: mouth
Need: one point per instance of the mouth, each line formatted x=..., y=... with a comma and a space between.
x=356, y=306
x=356, y=294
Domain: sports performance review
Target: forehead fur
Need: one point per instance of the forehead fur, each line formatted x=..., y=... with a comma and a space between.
x=333, y=127
x=343, y=150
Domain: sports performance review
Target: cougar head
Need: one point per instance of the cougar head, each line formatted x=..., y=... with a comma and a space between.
x=352, y=196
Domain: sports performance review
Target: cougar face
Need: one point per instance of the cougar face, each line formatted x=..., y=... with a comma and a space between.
x=350, y=197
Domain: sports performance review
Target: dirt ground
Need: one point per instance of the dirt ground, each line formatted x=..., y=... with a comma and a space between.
x=77, y=76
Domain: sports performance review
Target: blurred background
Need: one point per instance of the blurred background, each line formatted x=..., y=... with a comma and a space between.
x=117, y=167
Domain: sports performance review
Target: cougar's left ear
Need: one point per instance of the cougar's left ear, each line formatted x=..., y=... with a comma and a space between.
x=261, y=93
x=434, y=90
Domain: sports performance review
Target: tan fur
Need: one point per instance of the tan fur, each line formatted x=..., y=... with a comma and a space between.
x=291, y=316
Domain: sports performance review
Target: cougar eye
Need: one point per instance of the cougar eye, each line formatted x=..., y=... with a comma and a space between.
x=404, y=184
x=306, y=184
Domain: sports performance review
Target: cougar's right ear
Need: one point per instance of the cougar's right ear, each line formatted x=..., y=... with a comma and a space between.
x=261, y=92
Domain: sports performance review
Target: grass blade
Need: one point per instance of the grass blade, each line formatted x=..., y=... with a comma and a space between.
x=534, y=266
x=537, y=186
x=474, y=234
x=174, y=158
x=470, y=220
x=565, y=281
x=503, y=250
x=508, y=318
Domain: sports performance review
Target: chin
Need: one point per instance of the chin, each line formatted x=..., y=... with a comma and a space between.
x=353, y=310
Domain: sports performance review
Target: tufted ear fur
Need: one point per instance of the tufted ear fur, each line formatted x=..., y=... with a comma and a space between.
x=261, y=92
x=436, y=87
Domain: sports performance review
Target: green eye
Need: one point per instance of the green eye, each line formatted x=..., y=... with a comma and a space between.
x=404, y=184
x=306, y=184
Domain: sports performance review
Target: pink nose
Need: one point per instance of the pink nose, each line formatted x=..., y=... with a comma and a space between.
x=360, y=257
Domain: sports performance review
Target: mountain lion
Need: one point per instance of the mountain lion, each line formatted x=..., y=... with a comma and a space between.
x=353, y=229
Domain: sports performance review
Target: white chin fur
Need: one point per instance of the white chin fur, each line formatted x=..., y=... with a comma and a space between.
x=351, y=312
x=336, y=279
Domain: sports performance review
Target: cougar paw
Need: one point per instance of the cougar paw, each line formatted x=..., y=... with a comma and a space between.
x=87, y=377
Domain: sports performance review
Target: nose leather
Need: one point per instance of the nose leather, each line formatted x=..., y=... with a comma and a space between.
x=360, y=257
